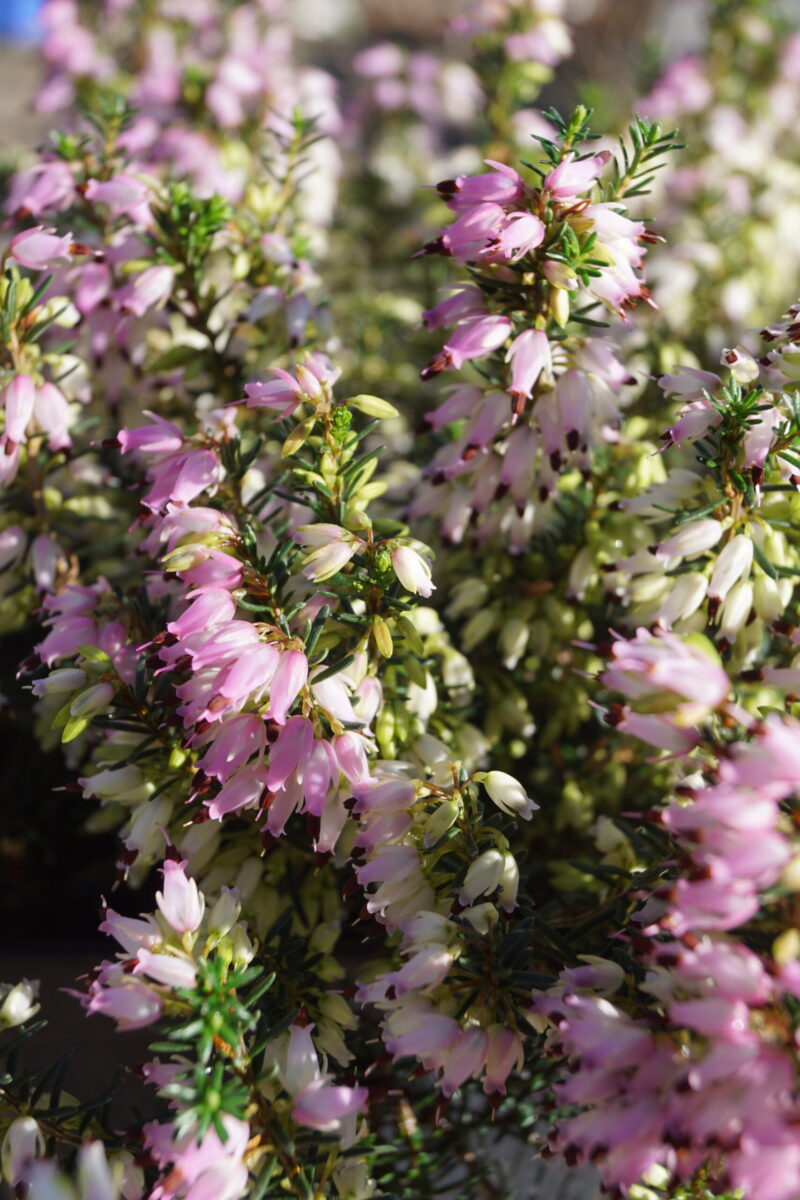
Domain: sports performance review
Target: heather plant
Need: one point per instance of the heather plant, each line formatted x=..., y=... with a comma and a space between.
x=464, y=765
x=411, y=117
x=728, y=205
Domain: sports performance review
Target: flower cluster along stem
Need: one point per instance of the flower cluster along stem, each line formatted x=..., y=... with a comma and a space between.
x=431, y=660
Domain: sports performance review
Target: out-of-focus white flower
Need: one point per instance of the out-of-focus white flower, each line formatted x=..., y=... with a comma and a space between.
x=18, y=1002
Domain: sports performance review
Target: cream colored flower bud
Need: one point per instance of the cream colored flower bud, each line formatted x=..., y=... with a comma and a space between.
x=767, y=598
x=422, y=698
x=225, y=913
x=559, y=306
x=685, y=597
x=733, y=563
x=692, y=538
x=481, y=917
x=456, y=670
x=736, y=609
x=94, y=700
x=513, y=641
x=467, y=595
x=775, y=546
x=298, y=436
x=786, y=946
x=582, y=573
x=382, y=637
x=483, y=875
x=440, y=820
x=22, y=1144
x=477, y=628
x=559, y=275
x=66, y=679
x=243, y=950
x=509, y=883
x=509, y=795
x=335, y=1008
x=373, y=406
x=18, y=1002
x=790, y=875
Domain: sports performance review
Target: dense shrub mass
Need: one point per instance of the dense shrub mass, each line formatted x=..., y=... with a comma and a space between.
x=427, y=629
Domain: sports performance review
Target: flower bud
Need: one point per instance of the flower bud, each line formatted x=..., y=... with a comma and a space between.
x=692, y=538
x=18, y=1002
x=684, y=598
x=509, y=883
x=373, y=406
x=225, y=913
x=181, y=903
x=125, y=784
x=66, y=679
x=456, y=669
x=790, y=876
x=513, y=641
x=298, y=436
x=504, y=1054
x=183, y=558
x=13, y=543
x=559, y=275
x=382, y=636
x=600, y=975
x=559, y=306
x=743, y=366
x=95, y=699
x=412, y=570
x=95, y=1177
x=509, y=795
x=335, y=1008
x=310, y=385
x=733, y=562
x=582, y=573
x=786, y=946
x=22, y=1144
x=352, y=1179
x=242, y=947
x=18, y=399
x=478, y=627
x=736, y=609
x=467, y=595
x=440, y=820
x=481, y=917
x=483, y=876
x=768, y=599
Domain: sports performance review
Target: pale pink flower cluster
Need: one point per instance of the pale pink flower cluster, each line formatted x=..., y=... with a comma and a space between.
x=75, y=618
x=440, y=92
x=532, y=30
x=672, y=685
x=560, y=395
x=244, y=54
x=191, y=1169
x=317, y=1103
x=159, y=959
x=716, y=1083
x=156, y=957
x=708, y=568
x=727, y=208
x=417, y=1004
x=97, y=1176
x=30, y=410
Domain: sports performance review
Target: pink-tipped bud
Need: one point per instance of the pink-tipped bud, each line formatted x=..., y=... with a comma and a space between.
x=18, y=400
x=181, y=903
